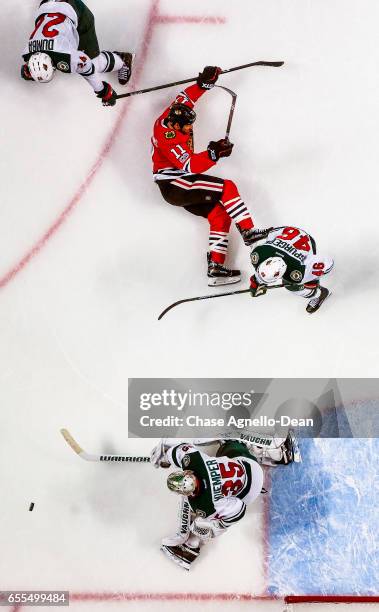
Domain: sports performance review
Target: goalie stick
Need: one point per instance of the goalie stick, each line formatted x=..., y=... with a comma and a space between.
x=192, y=79
x=88, y=457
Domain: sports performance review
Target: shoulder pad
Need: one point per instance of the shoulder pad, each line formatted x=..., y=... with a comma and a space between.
x=170, y=134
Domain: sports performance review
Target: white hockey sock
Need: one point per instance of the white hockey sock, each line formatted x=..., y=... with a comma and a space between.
x=309, y=293
x=107, y=62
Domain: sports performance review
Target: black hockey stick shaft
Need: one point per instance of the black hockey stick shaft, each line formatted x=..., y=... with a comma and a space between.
x=210, y=297
x=231, y=112
x=191, y=80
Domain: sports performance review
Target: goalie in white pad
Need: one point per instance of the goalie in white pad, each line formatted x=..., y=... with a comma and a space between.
x=215, y=490
x=64, y=38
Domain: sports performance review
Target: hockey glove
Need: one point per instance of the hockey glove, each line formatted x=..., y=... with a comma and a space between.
x=206, y=529
x=25, y=73
x=219, y=148
x=107, y=95
x=255, y=289
x=208, y=78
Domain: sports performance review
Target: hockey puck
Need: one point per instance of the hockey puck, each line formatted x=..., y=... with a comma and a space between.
x=31, y=506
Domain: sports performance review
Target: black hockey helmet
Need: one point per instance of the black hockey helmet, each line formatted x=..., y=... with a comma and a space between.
x=181, y=114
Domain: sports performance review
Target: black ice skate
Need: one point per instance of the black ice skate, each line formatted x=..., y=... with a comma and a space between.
x=220, y=275
x=182, y=555
x=315, y=304
x=252, y=235
x=125, y=71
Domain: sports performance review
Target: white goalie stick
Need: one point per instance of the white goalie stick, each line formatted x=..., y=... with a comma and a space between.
x=258, y=439
x=88, y=457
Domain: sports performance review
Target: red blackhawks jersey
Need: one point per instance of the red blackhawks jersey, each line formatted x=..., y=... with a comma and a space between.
x=172, y=152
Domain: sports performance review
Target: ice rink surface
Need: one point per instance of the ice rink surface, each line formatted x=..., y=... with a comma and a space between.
x=90, y=254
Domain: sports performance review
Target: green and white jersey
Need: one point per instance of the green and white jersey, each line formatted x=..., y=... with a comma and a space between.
x=298, y=249
x=227, y=486
x=55, y=33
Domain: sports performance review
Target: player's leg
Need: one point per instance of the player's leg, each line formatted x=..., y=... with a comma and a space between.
x=234, y=448
x=312, y=291
x=238, y=211
x=199, y=195
x=104, y=61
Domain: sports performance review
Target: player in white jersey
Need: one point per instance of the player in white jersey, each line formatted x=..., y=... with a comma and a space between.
x=288, y=254
x=64, y=38
x=216, y=490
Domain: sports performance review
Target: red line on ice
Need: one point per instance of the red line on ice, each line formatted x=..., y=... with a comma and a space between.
x=189, y=19
x=36, y=248
x=169, y=597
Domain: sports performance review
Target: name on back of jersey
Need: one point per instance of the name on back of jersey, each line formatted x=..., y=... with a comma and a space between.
x=39, y=46
x=288, y=248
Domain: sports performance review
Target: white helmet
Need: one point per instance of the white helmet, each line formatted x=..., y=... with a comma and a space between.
x=41, y=67
x=272, y=269
x=182, y=482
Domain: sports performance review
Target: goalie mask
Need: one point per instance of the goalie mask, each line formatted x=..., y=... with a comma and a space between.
x=184, y=483
x=41, y=67
x=272, y=269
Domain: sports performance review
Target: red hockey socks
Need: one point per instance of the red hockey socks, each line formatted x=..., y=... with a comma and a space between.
x=219, y=222
x=235, y=207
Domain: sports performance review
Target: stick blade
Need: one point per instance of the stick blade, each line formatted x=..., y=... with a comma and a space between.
x=71, y=442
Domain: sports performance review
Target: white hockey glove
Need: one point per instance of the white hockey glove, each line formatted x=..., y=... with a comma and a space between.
x=158, y=456
x=206, y=529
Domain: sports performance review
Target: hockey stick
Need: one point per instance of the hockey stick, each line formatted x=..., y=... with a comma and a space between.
x=79, y=451
x=157, y=87
x=209, y=297
x=231, y=112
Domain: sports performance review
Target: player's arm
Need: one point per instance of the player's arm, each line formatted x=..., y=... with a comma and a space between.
x=205, y=81
x=316, y=268
x=83, y=65
x=183, y=158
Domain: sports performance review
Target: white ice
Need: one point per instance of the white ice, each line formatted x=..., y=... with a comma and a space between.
x=81, y=316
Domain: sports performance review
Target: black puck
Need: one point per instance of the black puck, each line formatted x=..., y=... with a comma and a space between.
x=31, y=506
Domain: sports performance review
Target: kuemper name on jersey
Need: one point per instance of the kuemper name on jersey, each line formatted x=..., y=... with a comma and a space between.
x=36, y=46
x=215, y=477
x=285, y=246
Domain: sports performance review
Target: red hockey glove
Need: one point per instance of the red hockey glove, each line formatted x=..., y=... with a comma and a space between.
x=25, y=73
x=107, y=95
x=219, y=148
x=255, y=289
x=209, y=76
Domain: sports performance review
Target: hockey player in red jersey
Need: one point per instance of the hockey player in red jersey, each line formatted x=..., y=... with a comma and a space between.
x=64, y=39
x=178, y=172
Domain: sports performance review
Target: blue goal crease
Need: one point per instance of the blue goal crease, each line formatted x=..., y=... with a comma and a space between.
x=323, y=520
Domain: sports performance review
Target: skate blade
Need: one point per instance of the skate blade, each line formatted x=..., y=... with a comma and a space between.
x=175, y=559
x=217, y=282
